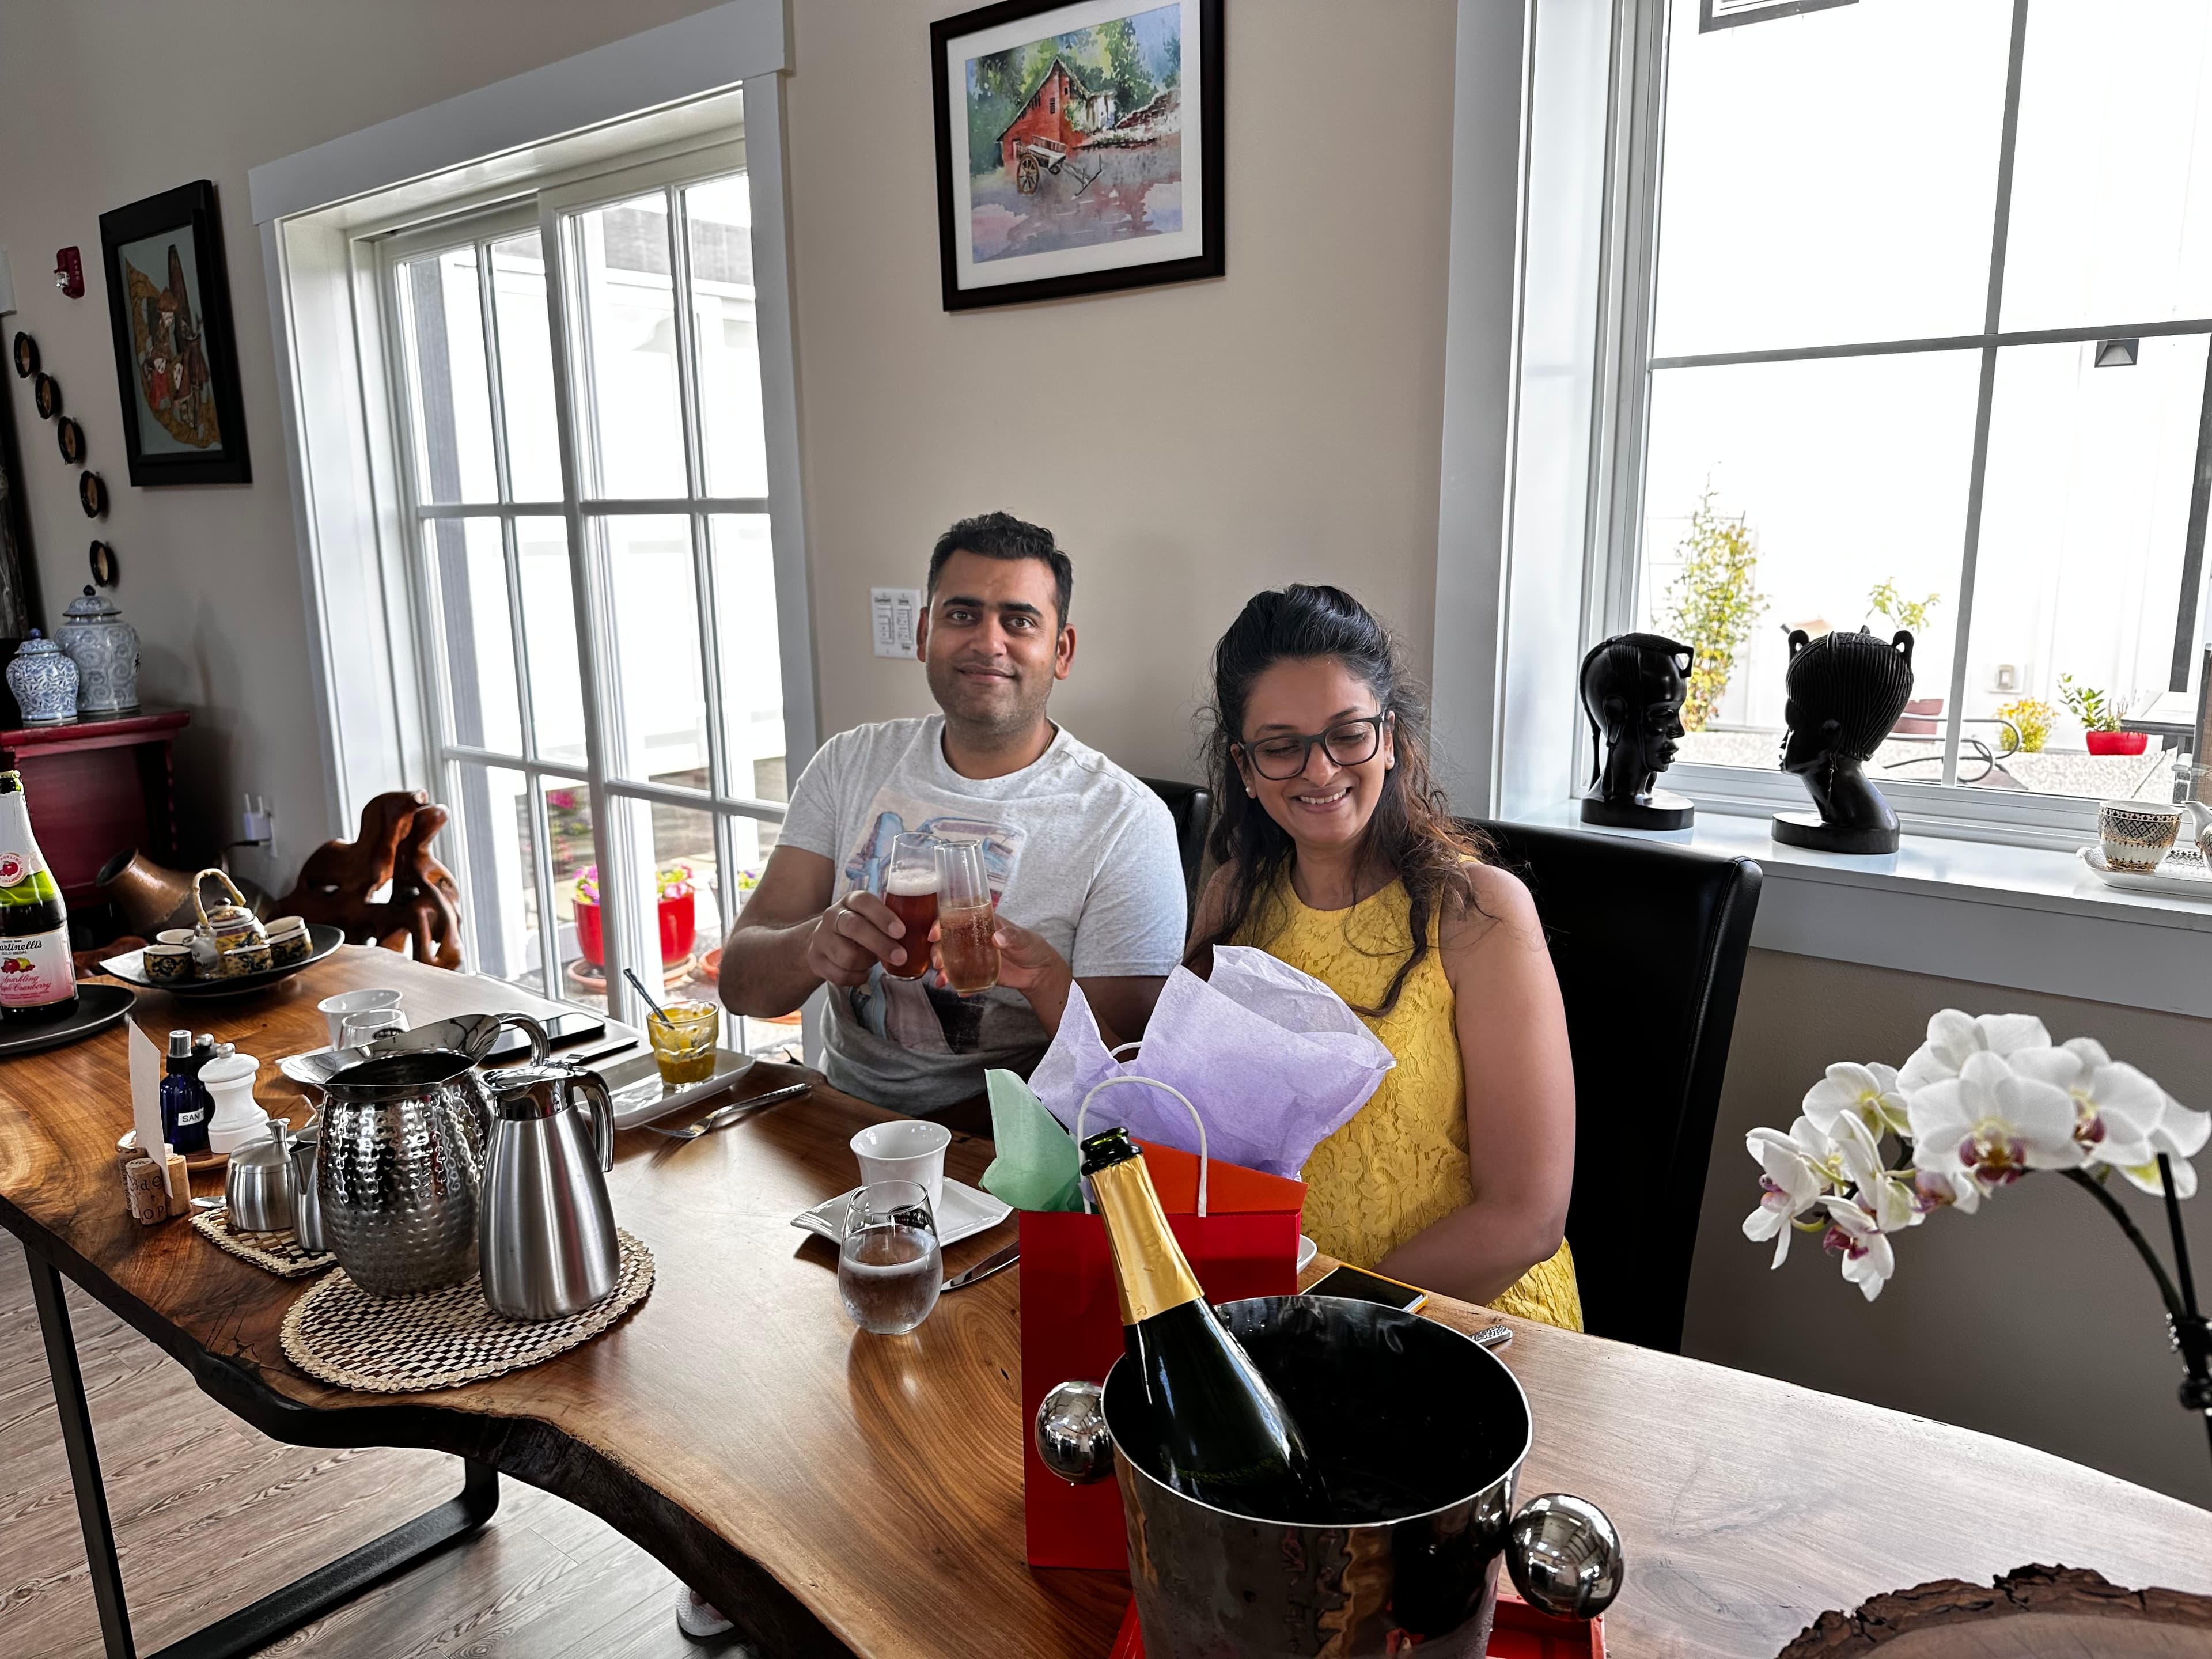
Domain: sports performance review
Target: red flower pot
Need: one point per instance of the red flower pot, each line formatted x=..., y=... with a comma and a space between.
x=2118, y=743
x=679, y=926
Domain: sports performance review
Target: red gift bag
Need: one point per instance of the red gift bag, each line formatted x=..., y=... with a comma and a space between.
x=1239, y=1229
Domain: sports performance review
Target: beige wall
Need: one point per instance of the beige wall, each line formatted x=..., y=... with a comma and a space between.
x=2031, y=1319
x=1203, y=442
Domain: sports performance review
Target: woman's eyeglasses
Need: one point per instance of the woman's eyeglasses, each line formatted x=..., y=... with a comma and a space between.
x=1348, y=743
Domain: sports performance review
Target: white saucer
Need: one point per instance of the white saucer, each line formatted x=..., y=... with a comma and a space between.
x=1307, y=1250
x=965, y=1213
x=2182, y=873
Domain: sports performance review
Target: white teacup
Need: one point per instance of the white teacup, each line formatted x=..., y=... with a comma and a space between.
x=2136, y=836
x=905, y=1149
x=335, y=1009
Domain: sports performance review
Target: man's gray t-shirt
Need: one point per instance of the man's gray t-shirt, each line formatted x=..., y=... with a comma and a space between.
x=1079, y=852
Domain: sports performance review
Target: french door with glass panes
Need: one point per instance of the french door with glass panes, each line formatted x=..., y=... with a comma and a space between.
x=586, y=483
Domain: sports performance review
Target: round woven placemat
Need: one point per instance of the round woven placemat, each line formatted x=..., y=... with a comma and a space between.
x=341, y=1333
x=277, y=1252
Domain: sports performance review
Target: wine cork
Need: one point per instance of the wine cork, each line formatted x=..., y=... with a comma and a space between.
x=149, y=1201
x=126, y=1154
x=180, y=1184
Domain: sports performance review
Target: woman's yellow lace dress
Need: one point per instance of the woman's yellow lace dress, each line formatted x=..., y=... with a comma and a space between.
x=1402, y=1162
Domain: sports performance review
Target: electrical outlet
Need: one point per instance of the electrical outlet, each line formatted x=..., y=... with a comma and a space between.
x=2006, y=677
x=894, y=610
x=257, y=823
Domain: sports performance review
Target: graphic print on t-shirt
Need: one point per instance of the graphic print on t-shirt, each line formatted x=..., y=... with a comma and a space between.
x=924, y=1017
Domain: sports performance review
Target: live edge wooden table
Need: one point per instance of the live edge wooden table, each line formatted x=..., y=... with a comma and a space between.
x=833, y=1491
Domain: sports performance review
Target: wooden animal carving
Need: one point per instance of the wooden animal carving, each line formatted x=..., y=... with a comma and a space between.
x=339, y=882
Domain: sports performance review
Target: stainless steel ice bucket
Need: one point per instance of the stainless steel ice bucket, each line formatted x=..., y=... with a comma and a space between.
x=1407, y=1419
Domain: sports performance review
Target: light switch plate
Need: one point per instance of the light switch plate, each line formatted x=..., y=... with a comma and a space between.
x=895, y=610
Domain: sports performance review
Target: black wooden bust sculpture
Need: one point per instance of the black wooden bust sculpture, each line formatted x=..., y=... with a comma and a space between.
x=1632, y=688
x=1846, y=691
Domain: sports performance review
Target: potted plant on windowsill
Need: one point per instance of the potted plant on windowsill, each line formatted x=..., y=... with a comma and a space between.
x=676, y=908
x=1923, y=716
x=2100, y=717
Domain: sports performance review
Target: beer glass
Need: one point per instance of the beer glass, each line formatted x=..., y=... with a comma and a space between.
x=965, y=919
x=910, y=891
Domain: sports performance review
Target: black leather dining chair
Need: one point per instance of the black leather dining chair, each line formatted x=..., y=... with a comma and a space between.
x=1191, y=806
x=1648, y=941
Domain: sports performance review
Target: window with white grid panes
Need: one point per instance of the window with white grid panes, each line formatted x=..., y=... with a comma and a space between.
x=1924, y=330
x=586, y=481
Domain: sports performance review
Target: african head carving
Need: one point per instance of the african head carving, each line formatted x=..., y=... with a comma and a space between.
x=1846, y=691
x=1633, y=687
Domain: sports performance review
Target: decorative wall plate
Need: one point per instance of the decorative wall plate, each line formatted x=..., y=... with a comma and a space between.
x=26, y=355
x=92, y=494
x=71, y=437
x=46, y=392
x=105, y=571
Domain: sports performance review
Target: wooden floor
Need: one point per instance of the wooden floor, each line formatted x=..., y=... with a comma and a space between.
x=209, y=1514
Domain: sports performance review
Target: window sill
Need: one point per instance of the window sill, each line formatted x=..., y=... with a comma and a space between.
x=2020, y=916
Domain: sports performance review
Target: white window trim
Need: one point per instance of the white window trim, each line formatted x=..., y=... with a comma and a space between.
x=373, y=690
x=1979, y=892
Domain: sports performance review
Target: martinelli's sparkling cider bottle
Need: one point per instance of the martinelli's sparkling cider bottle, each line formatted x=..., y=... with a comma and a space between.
x=38, y=981
x=1218, y=1431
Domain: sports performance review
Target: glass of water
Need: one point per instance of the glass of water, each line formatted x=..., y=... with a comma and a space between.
x=889, y=1268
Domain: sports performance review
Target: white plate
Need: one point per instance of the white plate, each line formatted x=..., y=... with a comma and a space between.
x=2182, y=876
x=633, y=1084
x=965, y=1212
x=1307, y=1250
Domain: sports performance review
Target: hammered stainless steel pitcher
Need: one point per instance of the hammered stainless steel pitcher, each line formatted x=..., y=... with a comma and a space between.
x=402, y=1161
x=546, y=1230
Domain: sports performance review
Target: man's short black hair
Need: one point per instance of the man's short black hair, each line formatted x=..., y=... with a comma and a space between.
x=1003, y=536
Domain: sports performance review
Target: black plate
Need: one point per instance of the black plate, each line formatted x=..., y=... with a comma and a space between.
x=98, y=1008
x=131, y=966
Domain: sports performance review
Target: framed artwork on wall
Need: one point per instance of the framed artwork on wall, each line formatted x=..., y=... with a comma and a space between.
x=176, y=358
x=1078, y=147
x=19, y=596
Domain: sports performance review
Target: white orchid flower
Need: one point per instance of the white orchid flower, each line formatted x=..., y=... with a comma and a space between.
x=1887, y=1198
x=1993, y=1123
x=2116, y=1107
x=1954, y=1037
x=1795, y=1169
x=1870, y=1091
x=1931, y=1191
x=1858, y=1237
x=2180, y=1133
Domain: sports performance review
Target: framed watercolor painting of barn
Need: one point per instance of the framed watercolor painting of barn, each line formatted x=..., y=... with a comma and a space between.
x=176, y=360
x=1078, y=147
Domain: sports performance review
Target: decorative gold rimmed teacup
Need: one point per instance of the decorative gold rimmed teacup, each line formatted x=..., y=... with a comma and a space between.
x=2136, y=836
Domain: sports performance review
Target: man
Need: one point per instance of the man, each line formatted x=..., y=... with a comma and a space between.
x=1078, y=850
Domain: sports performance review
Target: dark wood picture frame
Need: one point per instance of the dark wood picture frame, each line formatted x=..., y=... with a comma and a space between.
x=1209, y=261
x=188, y=208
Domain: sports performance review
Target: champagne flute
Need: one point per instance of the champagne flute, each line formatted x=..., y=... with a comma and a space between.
x=965, y=918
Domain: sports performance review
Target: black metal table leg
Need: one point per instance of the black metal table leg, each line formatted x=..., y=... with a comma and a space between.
x=282, y=1610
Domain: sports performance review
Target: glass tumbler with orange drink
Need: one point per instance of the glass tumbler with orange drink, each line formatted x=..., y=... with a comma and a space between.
x=683, y=1037
x=910, y=891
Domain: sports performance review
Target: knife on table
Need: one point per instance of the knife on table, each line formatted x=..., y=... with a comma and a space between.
x=983, y=1269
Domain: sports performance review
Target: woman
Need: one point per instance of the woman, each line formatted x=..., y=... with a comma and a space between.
x=1337, y=854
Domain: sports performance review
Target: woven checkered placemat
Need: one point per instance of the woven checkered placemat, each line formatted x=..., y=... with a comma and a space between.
x=341, y=1333
x=277, y=1252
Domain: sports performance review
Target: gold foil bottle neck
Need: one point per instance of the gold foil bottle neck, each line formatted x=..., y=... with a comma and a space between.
x=1150, y=1273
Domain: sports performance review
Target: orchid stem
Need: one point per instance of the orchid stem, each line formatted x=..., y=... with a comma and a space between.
x=2174, y=1309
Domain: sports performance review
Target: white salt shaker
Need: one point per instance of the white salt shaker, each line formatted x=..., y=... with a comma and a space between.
x=237, y=1120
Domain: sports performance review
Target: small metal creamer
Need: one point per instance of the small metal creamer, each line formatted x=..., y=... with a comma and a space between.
x=546, y=1239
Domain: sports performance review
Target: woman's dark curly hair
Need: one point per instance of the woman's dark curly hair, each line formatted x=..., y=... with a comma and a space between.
x=1411, y=832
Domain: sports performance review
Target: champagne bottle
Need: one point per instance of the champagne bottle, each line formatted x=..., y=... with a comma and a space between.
x=38, y=981
x=1216, y=1431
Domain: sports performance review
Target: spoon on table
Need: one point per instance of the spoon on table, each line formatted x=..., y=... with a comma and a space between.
x=660, y=1012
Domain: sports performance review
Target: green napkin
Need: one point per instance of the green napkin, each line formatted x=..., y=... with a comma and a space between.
x=1037, y=1165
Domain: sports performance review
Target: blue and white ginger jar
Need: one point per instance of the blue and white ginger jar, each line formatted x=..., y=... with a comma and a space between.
x=44, y=681
x=105, y=648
